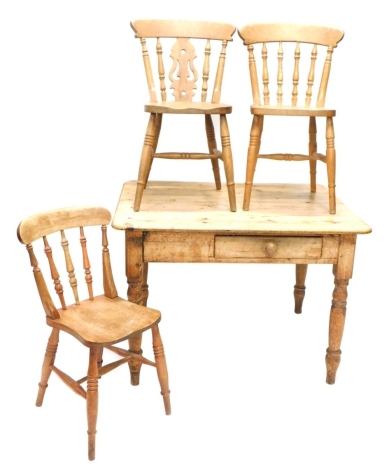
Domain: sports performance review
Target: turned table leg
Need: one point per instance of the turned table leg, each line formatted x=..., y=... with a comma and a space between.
x=145, y=286
x=137, y=291
x=342, y=272
x=299, y=288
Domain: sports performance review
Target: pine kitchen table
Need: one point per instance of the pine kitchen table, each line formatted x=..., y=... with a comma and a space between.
x=192, y=222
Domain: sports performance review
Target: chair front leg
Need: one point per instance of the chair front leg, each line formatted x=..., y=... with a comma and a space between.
x=48, y=360
x=92, y=397
x=145, y=161
x=210, y=131
x=227, y=161
x=331, y=163
x=158, y=124
x=252, y=157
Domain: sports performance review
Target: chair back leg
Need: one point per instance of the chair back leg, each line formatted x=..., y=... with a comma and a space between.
x=48, y=361
x=160, y=362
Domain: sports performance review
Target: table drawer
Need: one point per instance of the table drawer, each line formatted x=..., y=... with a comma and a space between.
x=268, y=247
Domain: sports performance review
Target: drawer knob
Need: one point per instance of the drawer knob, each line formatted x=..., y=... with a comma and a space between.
x=271, y=249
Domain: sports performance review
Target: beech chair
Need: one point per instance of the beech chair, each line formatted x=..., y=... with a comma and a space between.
x=320, y=44
x=98, y=322
x=183, y=74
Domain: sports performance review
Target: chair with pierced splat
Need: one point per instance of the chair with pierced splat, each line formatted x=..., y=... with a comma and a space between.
x=183, y=76
x=98, y=322
x=314, y=38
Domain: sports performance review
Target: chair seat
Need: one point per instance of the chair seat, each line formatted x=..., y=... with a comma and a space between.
x=267, y=110
x=105, y=321
x=186, y=107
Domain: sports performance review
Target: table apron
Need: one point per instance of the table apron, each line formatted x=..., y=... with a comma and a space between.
x=204, y=247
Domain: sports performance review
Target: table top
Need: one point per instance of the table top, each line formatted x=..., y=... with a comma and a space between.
x=287, y=209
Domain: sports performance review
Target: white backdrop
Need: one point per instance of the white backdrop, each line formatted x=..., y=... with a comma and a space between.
x=248, y=396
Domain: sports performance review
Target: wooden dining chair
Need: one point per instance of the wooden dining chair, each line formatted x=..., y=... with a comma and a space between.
x=315, y=44
x=98, y=322
x=185, y=97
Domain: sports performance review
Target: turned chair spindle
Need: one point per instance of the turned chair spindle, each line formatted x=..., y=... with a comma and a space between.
x=69, y=266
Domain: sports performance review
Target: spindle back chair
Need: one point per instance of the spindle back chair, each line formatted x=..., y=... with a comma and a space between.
x=186, y=97
x=98, y=322
x=322, y=41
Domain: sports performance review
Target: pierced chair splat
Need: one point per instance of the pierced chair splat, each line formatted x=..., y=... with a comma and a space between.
x=183, y=76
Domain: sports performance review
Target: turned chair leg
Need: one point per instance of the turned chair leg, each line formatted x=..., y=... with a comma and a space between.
x=331, y=163
x=227, y=160
x=210, y=131
x=158, y=124
x=299, y=288
x=48, y=360
x=145, y=161
x=100, y=358
x=162, y=373
x=312, y=149
x=92, y=401
x=252, y=157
